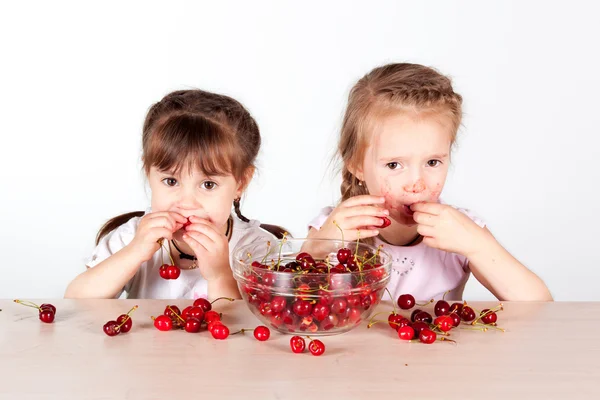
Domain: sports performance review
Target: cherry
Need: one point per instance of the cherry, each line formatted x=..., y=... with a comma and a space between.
x=203, y=303
x=419, y=326
x=339, y=305
x=414, y=313
x=351, y=264
x=386, y=222
x=302, y=256
x=262, y=333
x=365, y=302
x=406, y=301
x=316, y=347
x=302, y=308
x=163, y=323
x=406, y=333
x=325, y=297
x=46, y=313
x=186, y=312
x=320, y=311
x=49, y=306
x=297, y=344
x=423, y=316
x=163, y=271
x=196, y=312
x=220, y=332
x=192, y=325
x=278, y=304
x=427, y=336
x=397, y=321
x=354, y=315
x=172, y=311
x=330, y=322
x=441, y=308
x=126, y=322
x=488, y=317
x=455, y=319
x=173, y=272
x=212, y=325
x=467, y=314
x=444, y=322
x=456, y=308
x=343, y=255
x=353, y=300
x=211, y=316
x=111, y=328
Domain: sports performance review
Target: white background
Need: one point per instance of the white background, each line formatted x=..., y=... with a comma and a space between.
x=76, y=80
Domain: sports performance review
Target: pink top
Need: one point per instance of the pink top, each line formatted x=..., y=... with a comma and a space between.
x=420, y=270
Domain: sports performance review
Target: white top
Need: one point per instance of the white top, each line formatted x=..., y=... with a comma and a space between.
x=147, y=283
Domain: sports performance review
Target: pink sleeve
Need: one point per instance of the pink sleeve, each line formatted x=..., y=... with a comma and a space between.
x=320, y=219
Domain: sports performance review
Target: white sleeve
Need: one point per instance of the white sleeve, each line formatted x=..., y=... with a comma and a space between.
x=113, y=242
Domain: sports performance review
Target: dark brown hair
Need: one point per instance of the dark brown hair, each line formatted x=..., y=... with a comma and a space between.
x=392, y=88
x=195, y=128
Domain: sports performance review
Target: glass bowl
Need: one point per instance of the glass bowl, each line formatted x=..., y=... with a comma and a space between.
x=311, y=286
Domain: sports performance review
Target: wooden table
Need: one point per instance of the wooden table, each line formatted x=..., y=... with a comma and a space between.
x=549, y=350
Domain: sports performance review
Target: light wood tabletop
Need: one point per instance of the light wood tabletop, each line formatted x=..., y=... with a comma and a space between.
x=549, y=351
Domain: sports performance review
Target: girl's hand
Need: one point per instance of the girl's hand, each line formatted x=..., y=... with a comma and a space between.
x=210, y=247
x=357, y=214
x=445, y=228
x=152, y=228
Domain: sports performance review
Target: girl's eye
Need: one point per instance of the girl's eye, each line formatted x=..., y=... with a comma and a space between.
x=209, y=185
x=392, y=165
x=434, y=163
x=170, y=181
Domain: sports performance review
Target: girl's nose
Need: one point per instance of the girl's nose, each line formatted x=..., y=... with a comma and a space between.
x=416, y=187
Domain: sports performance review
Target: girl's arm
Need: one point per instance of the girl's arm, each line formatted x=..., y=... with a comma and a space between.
x=107, y=279
x=503, y=275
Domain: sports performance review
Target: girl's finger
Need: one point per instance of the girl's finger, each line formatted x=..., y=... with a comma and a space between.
x=424, y=219
x=362, y=200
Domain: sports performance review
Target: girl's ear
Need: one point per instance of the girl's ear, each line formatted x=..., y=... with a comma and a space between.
x=248, y=174
x=357, y=172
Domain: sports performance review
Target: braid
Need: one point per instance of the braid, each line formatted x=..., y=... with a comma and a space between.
x=236, y=205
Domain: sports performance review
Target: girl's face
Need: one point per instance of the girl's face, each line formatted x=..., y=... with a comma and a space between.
x=193, y=193
x=407, y=162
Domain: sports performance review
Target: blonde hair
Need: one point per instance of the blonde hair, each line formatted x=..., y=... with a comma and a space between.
x=392, y=88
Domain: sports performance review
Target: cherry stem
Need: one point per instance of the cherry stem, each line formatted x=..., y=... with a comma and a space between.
x=425, y=304
x=222, y=298
x=173, y=311
x=341, y=230
x=444, y=296
x=243, y=330
x=379, y=313
x=373, y=322
x=268, y=252
x=27, y=304
x=128, y=317
x=443, y=339
x=491, y=326
x=484, y=329
x=393, y=305
x=283, y=240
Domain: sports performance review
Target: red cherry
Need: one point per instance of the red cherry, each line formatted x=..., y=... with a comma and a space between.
x=320, y=311
x=220, y=332
x=111, y=328
x=278, y=304
x=211, y=316
x=467, y=314
x=192, y=325
x=203, y=303
x=441, y=308
x=343, y=255
x=212, y=325
x=396, y=321
x=196, y=312
x=386, y=222
x=351, y=264
x=353, y=300
x=163, y=323
x=354, y=315
x=455, y=319
x=262, y=333
x=187, y=223
x=186, y=312
x=456, y=307
x=406, y=301
x=172, y=311
x=418, y=327
x=329, y=322
x=444, y=322
x=489, y=318
x=339, y=305
x=302, y=308
x=126, y=322
x=406, y=333
x=49, y=306
x=325, y=297
x=173, y=272
x=163, y=271
x=46, y=315
x=423, y=316
x=427, y=336
x=302, y=256
x=297, y=344
x=316, y=347
x=414, y=314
